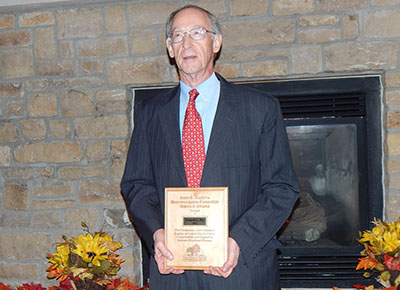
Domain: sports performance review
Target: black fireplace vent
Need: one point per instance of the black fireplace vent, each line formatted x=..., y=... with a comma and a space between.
x=322, y=105
x=321, y=271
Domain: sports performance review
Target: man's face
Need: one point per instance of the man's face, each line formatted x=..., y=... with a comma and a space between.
x=193, y=58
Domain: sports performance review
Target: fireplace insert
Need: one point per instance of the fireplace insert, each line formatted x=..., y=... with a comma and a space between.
x=334, y=128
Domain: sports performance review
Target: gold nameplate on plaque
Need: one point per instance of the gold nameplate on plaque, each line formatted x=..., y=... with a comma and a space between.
x=196, y=227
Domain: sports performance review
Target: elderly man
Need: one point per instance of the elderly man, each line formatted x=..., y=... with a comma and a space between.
x=243, y=145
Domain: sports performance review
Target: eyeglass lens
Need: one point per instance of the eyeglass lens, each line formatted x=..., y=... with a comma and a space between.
x=197, y=33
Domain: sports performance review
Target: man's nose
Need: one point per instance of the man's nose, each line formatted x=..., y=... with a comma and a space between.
x=187, y=40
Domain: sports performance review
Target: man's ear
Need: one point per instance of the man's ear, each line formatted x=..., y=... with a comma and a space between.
x=169, y=48
x=217, y=42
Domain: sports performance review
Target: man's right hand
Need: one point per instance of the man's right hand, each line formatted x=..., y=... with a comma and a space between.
x=161, y=252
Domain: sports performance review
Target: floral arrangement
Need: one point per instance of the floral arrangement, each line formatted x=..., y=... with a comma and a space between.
x=115, y=284
x=86, y=257
x=371, y=287
x=381, y=253
x=86, y=262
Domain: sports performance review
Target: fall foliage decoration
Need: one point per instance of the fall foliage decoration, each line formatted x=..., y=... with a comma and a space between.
x=85, y=262
x=381, y=252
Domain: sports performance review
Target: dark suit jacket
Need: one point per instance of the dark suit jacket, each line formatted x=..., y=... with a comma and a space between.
x=248, y=152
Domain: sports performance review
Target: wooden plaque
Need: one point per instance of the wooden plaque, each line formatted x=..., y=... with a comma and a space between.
x=196, y=227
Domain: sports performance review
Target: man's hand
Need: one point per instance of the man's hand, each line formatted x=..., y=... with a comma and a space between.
x=161, y=252
x=230, y=264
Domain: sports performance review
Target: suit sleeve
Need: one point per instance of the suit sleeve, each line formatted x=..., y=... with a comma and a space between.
x=258, y=225
x=137, y=184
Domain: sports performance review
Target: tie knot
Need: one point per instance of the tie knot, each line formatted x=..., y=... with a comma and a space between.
x=193, y=94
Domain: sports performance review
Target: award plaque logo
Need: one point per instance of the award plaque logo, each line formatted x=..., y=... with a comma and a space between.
x=194, y=253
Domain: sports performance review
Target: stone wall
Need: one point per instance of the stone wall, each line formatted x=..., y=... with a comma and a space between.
x=65, y=108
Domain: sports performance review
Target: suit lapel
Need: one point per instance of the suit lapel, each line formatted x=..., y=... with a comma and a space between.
x=169, y=119
x=227, y=112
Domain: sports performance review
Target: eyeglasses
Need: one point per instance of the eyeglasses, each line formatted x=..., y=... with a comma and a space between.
x=197, y=33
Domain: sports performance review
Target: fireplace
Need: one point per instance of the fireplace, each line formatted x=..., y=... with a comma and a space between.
x=334, y=130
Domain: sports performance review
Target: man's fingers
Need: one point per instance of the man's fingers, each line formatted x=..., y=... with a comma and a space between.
x=159, y=244
x=217, y=271
x=160, y=264
x=161, y=267
x=224, y=273
x=163, y=251
x=212, y=271
x=230, y=264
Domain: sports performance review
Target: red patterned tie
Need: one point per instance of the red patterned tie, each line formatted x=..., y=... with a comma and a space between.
x=193, y=143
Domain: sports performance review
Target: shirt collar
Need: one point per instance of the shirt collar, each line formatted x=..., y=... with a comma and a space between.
x=206, y=89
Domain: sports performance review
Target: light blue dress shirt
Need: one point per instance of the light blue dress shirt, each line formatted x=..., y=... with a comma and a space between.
x=206, y=104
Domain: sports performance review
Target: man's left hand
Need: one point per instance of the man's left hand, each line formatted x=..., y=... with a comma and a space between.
x=230, y=264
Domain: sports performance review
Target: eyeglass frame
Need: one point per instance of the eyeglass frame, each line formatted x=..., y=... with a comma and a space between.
x=204, y=31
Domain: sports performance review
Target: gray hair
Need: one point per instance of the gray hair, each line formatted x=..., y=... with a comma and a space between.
x=213, y=20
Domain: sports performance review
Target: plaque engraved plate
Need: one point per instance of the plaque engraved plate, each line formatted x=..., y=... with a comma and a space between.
x=196, y=227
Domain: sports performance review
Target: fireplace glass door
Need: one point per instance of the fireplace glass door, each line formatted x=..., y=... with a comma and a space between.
x=326, y=164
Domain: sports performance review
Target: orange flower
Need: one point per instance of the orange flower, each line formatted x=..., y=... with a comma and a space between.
x=367, y=263
x=115, y=259
x=127, y=285
x=390, y=288
x=114, y=283
x=358, y=286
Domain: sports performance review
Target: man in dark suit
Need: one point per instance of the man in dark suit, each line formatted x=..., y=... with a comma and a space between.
x=245, y=147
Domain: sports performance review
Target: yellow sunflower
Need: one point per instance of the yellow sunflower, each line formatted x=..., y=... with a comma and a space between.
x=383, y=238
x=60, y=258
x=392, y=241
x=90, y=249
